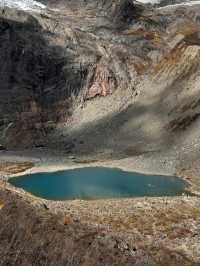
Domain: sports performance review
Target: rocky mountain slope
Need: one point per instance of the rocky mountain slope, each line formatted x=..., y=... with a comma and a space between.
x=98, y=80
x=91, y=77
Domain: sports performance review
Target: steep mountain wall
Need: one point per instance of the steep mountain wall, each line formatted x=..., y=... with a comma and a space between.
x=107, y=76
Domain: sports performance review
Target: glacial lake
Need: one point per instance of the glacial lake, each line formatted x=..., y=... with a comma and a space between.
x=98, y=183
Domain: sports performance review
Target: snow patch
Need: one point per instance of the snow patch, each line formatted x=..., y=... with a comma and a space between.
x=26, y=5
x=189, y=3
x=149, y=1
x=184, y=3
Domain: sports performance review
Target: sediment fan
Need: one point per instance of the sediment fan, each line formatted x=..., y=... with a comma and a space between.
x=27, y=5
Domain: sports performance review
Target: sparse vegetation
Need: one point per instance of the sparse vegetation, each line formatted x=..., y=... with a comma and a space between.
x=14, y=167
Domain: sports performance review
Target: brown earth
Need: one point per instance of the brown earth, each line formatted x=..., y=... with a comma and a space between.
x=110, y=232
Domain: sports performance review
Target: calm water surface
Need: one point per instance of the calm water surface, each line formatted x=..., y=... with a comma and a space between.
x=98, y=182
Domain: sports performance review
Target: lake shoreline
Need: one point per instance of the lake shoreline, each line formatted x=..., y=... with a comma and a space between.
x=98, y=183
x=142, y=164
x=46, y=163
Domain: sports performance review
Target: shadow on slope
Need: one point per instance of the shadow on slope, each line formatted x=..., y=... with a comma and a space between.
x=38, y=77
x=140, y=128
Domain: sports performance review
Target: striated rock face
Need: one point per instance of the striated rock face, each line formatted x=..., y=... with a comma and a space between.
x=119, y=71
x=102, y=83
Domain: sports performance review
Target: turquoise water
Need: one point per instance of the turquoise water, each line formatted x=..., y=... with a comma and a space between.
x=98, y=182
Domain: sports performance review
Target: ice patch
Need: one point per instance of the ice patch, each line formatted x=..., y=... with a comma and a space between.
x=26, y=5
